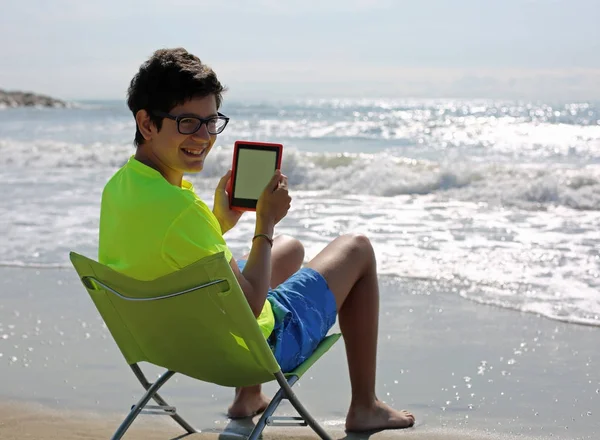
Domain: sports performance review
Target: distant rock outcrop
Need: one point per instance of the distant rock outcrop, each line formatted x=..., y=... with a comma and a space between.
x=26, y=99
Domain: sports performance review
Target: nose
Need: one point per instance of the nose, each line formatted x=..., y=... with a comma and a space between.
x=202, y=133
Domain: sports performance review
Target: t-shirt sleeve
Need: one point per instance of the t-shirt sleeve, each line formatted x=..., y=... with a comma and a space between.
x=193, y=235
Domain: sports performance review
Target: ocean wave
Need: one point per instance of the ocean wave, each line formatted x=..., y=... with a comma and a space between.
x=45, y=153
x=516, y=132
x=525, y=186
x=582, y=310
x=384, y=174
x=29, y=265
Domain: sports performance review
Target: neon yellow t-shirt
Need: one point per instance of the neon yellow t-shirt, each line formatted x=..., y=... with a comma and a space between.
x=150, y=228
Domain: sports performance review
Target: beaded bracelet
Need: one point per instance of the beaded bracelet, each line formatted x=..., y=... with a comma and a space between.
x=265, y=236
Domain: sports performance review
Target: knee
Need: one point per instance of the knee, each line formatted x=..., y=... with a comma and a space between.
x=294, y=249
x=297, y=250
x=360, y=244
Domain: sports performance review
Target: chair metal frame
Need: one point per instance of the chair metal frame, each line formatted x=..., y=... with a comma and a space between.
x=163, y=408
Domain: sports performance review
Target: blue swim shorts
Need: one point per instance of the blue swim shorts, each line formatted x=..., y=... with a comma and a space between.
x=305, y=310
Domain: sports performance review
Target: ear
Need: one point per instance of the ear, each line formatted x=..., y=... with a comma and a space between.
x=145, y=124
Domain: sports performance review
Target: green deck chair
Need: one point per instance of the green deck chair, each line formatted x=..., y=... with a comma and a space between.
x=196, y=322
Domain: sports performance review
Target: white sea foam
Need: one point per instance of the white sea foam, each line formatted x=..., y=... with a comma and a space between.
x=379, y=174
x=545, y=262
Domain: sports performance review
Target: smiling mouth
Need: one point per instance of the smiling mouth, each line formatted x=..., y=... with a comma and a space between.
x=193, y=153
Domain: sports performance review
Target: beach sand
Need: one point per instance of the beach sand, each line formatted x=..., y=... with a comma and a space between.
x=466, y=370
x=19, y=421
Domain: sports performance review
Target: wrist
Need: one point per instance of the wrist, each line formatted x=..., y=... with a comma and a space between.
x=264, y=226
x=220, y=220
x=225, y=226
x=267, y=238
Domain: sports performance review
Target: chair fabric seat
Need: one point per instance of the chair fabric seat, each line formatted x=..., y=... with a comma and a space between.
x=195, y=322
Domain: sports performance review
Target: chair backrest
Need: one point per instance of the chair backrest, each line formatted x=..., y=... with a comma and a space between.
x=195, y=321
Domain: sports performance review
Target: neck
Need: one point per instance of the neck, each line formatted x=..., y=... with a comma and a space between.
x=145, y=156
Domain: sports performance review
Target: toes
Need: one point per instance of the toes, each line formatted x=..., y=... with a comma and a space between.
x=409, y=416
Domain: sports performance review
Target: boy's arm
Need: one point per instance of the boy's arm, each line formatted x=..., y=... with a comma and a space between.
x=272, y=206
x=256, y=277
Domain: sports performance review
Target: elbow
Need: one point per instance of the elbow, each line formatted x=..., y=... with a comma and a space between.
x=258, y=302
x=256, y=305
x=256, y=309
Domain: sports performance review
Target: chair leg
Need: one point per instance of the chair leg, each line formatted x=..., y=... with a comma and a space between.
x=138, y=406
x=151, y=393
x=291, y=396
x=286, y=392
x=158, y=399
x=271, y=408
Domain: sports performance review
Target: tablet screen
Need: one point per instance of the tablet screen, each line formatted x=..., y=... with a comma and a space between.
x=254, y=169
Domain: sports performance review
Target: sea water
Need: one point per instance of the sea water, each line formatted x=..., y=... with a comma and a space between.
x=496, y=201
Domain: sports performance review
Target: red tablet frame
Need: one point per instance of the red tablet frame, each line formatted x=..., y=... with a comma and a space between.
x=239, y=204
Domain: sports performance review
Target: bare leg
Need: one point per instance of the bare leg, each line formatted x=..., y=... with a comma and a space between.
x=286, y=258
x=349, y=266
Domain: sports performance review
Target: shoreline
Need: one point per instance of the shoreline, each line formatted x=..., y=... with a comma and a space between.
x=67, y=267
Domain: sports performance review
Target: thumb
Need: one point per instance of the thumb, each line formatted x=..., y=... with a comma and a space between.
x=223, y=182
x=274, y=182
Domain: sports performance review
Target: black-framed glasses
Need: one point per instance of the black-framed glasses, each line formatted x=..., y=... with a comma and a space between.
x=190, y=124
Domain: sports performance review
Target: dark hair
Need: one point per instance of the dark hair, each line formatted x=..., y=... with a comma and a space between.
x=169, y=78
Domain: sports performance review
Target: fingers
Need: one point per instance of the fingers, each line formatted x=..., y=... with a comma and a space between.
x=275, y=200
x=283, y=183
x=274, y=182
x=223, y=182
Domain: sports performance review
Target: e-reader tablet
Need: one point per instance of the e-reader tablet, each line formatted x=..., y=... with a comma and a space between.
x=254, y=164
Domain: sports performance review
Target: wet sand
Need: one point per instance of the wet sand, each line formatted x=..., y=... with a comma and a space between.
x=465, y=370
x=28, y=421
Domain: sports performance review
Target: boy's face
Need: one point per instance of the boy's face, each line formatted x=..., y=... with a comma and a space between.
x=175, y=153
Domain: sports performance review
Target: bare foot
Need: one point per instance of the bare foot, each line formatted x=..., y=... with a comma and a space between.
x=248, y=402
x=376, y=417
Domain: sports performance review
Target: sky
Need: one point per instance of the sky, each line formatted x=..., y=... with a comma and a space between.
x=261, y=49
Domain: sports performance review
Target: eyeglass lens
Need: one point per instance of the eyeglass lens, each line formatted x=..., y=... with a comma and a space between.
x=189, y=125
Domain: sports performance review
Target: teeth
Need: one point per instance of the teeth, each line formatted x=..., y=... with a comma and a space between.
x=194, y=152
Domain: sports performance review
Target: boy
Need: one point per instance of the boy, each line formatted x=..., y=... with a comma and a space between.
x=152, y=223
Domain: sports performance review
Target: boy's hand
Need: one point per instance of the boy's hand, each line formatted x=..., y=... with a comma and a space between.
x=274, y=202
x=227, y=217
